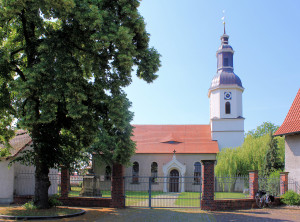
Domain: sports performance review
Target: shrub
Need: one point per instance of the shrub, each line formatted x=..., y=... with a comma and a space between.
x=30, y=206
x=53, y=201
x=291, y=198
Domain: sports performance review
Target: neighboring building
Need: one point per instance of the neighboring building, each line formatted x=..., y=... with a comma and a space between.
x=18, y=179
x=177, y=150
x=290, y=128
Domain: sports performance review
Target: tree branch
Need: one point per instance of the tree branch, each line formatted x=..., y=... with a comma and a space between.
x=15, y=52
x=21, y=74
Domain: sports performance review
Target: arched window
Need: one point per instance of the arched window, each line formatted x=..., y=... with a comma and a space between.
x=154, y=172
x=135, y=172
x=197, y=173
x=227, y=107
x=107, y=173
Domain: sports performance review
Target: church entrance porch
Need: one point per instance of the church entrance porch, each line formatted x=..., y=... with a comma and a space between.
x=149, y=192
x=174, y=181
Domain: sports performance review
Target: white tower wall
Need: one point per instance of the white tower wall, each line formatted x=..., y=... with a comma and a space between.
x=226, y=127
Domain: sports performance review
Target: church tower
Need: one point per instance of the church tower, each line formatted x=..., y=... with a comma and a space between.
x=225, y=94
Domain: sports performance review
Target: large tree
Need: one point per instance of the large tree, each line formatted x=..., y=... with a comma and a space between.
x=62, y=65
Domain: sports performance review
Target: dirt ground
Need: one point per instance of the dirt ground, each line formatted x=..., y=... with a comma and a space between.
x=278, y=214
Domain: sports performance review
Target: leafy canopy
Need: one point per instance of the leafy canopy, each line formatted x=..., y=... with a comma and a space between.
x=63, y=67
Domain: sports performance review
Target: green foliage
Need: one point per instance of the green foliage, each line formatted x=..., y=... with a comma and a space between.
x=270, y=183
x=272, y=161
x=115, y=145
x=63, y=67
x=263, y=129
x=4, y=152
x=291, y=198
x=30, y=205
x=53, y=201
x=252, y=154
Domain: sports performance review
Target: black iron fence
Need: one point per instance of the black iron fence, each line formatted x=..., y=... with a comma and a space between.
x=271, y=185
x=163, y=192
x=232, y=187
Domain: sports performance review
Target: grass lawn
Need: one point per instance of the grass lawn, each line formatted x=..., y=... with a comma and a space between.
x=191, y=199
x=228, y=195
x=20, y=211
x=188, y=199
x=75, y=191
x=133, y=197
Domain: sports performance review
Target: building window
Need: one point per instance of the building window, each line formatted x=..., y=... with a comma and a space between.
x=107, y=173
x=154, y=172
x=225, y=62
x=135, y=172
x=227, y=107
x=197, y=173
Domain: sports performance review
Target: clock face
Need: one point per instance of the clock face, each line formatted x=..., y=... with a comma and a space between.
x=227, y=95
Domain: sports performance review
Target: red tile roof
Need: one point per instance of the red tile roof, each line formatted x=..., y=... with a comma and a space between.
x=166, y=138
x=291, y=123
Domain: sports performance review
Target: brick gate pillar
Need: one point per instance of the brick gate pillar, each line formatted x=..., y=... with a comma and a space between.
x=208, y=180
x=284, y=185
x=64, y=182
x=117, y=186
x=253, y=183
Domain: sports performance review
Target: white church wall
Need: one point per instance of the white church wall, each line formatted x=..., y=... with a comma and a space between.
x=6, y=182
x=227, y=125
x=292, y=157
x=228, y=139
x=145, y=161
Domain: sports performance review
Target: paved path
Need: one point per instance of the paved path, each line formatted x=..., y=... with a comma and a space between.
x=279, y=214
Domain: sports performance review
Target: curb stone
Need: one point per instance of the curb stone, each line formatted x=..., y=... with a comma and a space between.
x=42, y=217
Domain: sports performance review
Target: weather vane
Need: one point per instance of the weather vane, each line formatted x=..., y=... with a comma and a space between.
x=223, y=19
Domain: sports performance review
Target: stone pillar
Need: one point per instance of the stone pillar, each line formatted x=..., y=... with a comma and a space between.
x=284, y=182
x=208, y=179
x=64, y=182
x=253, y=183
x=117, y=187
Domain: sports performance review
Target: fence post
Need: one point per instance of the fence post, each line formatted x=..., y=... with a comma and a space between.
x=117, y=186
x=284, y=182
x=208, y=179
x=253, y=183
x=150, y=182
x=64, y=181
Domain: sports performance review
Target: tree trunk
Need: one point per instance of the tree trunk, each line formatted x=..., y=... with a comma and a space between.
x=41, y=159
x=42, y=184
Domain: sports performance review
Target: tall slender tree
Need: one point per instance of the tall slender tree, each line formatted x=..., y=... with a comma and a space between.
x=62, y=65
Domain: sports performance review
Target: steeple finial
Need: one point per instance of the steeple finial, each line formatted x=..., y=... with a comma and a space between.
x=223, y=19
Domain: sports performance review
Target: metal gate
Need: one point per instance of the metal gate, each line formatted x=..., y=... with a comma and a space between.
x=163, y=192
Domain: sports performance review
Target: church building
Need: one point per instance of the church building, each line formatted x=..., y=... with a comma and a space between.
x=177, y=150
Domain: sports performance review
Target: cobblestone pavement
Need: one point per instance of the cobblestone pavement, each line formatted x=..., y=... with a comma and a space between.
x=279, y=214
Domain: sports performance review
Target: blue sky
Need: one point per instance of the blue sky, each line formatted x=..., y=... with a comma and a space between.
x=265, y=36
